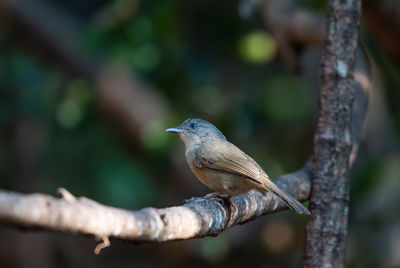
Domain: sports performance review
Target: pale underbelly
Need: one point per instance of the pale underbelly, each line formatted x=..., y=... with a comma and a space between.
x=226, y=183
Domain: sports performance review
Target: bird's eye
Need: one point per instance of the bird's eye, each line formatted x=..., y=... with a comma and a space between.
x=193, y=125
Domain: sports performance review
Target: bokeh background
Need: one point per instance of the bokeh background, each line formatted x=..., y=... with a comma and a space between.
x=87, y=89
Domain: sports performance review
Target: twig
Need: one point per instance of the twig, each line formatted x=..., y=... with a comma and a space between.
x=105, y=243
x=66, y=195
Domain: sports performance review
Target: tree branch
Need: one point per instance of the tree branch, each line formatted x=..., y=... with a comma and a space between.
x=326, y=230
x=198, y=217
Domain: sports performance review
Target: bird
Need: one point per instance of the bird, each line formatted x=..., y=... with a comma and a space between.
x=222, y=166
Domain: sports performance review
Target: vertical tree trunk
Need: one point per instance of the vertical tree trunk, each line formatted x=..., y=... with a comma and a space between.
x=326, y=230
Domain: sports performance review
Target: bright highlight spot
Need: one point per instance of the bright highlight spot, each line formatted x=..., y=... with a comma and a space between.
x=257, y=47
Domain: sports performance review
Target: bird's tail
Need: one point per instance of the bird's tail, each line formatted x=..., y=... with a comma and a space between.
x=285, y=197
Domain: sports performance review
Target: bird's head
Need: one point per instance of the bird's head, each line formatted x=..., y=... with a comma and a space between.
x=193, y=131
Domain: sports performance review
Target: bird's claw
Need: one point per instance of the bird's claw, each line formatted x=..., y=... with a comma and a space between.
x=216, y=196
x=219, y=197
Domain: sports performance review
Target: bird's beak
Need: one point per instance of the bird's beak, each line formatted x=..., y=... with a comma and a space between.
x=174, y=130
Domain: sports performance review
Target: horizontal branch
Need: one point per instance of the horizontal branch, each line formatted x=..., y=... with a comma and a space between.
x=198, y=217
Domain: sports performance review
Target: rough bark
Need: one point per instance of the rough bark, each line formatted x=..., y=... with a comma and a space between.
x=326, y=239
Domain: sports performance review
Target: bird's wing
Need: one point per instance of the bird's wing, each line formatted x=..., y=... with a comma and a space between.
x=226, y=157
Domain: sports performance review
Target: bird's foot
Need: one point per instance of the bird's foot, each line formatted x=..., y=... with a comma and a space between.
x=219, y=197
x=216, y=196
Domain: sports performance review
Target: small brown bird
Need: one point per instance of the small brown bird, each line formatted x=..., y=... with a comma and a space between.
x=222, y=166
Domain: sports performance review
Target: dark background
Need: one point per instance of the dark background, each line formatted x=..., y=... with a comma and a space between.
x=66, y=121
